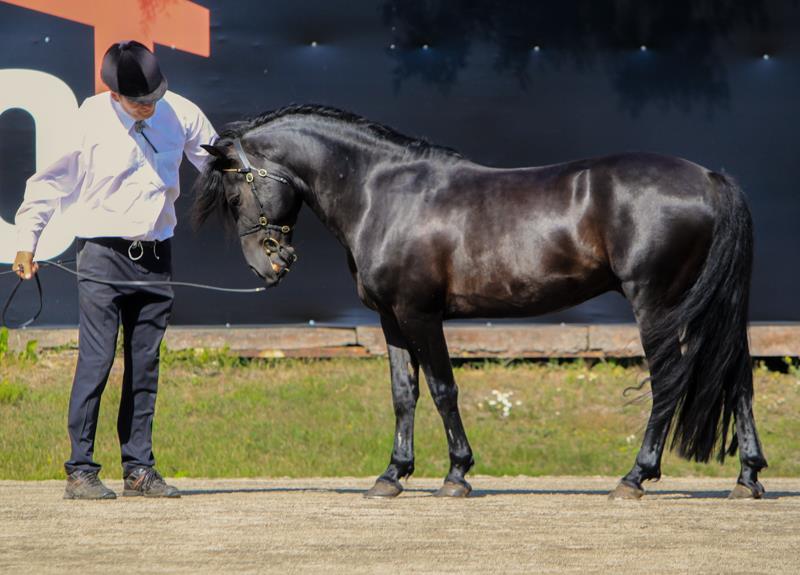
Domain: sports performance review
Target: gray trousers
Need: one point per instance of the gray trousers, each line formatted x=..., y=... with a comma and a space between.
x=143, y=313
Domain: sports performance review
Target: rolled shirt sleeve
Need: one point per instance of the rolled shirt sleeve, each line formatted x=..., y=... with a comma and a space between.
x=200, y=131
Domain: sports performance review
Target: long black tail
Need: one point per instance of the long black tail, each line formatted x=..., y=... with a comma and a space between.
x=701, y=387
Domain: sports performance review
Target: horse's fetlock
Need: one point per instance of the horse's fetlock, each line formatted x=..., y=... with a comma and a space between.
x=651, y=473
x=462, y=462
x=402, y=467
x=641, y=473
x=756, y=463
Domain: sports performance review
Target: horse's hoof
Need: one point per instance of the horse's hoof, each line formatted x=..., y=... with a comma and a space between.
x=453, y=489
x=625, y=491
x=745, y=492
x=384, y=489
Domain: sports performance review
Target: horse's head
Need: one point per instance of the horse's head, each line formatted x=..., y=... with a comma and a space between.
x=260, y=199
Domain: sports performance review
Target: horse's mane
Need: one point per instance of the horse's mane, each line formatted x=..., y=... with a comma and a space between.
x=419, y=145
x=209, y=195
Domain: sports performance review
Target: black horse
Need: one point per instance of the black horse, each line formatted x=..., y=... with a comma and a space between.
x=430, y=236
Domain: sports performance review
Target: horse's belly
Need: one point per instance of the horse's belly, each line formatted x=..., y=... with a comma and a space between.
x=525, y=296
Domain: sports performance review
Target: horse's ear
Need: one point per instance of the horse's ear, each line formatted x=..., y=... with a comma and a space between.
x=213, y=150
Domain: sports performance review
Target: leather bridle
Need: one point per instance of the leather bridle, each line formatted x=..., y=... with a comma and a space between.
x=271, y=245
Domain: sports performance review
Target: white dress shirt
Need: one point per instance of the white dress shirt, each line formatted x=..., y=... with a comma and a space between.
x=112, y=183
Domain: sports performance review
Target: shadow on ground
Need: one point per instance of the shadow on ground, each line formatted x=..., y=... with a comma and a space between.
x=481, y=493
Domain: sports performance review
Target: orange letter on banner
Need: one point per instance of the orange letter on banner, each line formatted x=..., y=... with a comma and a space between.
x=176, y=23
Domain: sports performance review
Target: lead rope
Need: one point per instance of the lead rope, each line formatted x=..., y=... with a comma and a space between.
x=133, y=283
x=13, y=293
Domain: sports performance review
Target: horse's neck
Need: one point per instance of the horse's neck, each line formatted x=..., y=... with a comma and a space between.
x=334, y=172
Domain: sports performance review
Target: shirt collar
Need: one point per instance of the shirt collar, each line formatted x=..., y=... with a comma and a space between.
x=124, y=117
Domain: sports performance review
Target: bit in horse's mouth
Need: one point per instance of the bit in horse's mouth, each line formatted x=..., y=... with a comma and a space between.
x=280, y=273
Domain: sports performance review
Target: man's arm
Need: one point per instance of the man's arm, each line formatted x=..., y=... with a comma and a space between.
x=199, y=131
x=43, y=192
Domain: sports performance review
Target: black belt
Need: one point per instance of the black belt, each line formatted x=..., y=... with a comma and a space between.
x=121, y=243
x=134, y=249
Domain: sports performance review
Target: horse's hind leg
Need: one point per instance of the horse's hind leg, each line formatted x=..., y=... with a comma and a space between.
x=405, y=392
x=648, y=461
x=751, y=455
x=426, y=337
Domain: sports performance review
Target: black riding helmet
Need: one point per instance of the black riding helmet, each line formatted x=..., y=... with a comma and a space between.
x=131, y=69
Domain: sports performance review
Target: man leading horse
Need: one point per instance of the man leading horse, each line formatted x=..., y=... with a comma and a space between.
x=118, y=185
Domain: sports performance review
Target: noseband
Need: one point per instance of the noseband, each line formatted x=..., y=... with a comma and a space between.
x=271, y=245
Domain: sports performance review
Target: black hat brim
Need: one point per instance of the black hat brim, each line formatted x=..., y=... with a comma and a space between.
x=152, y=97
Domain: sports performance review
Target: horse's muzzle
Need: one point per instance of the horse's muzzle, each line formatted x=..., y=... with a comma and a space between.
x=280, y=262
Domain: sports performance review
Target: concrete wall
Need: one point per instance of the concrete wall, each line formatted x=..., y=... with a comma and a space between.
x=464, y=341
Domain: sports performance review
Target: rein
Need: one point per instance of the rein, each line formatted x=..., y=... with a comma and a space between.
x=271, y=245
x=133, y=283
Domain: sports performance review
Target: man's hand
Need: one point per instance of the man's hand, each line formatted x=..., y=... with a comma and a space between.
x=24, y=265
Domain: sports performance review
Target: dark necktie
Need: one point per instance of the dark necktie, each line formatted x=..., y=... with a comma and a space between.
x=139, y=126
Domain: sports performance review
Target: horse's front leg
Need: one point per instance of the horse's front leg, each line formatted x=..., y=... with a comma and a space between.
x=426, y=337
x=405, y=392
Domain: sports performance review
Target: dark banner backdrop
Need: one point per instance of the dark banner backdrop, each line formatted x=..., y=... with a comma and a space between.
x=507, y=83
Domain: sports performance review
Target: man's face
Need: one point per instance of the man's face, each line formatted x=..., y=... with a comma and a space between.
x=134, y=109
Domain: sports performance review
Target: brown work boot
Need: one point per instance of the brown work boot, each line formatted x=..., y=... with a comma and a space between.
x=148, y=482
x=82, y=484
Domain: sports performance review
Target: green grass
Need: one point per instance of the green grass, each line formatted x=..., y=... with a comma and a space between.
x=11, y=393
x=218, y=416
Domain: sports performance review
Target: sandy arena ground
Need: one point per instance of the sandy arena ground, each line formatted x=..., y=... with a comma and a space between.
x=508, y=525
